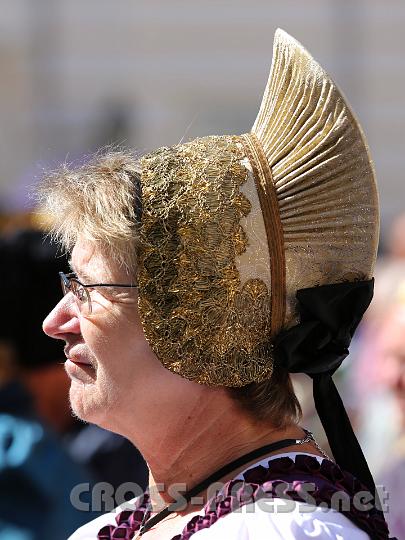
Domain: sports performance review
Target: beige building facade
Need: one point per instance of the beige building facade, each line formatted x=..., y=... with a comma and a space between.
x=77, y=75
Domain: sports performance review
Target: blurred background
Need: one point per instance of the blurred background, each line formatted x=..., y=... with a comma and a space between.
x=76, y=76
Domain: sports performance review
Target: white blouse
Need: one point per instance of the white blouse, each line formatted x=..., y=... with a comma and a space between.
x=262, y=520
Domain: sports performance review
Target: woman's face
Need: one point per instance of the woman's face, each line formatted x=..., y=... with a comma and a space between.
x=113, y=371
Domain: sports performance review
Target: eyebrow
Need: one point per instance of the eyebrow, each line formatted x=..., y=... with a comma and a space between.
x=81, y=274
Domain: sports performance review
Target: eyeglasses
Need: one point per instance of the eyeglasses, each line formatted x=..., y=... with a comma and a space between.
x=81, y=292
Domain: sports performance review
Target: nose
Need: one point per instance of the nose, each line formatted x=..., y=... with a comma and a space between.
x=63, y=319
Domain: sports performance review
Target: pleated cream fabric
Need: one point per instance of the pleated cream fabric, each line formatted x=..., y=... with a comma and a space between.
x=322, y=172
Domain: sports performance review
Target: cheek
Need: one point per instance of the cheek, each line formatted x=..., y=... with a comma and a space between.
x=127, y=366
x=121, y=351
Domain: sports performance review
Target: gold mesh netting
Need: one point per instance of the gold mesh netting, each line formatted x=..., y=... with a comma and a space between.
x=201, y=322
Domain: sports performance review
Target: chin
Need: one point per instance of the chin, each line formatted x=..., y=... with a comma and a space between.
x=89, y=403
x=85, y=402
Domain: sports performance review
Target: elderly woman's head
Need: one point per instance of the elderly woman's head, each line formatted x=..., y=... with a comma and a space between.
x=97, y=209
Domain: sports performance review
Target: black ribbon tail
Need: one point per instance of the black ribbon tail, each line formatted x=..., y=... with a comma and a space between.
x=317, y=345
x=342, y=439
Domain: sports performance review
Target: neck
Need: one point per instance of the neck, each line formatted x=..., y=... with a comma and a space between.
x=190, y=451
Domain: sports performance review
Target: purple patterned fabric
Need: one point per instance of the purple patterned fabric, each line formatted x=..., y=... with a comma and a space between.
x=128, y=521
x=283, y=478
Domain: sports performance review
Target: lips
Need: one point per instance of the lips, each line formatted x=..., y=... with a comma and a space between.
x=83, y=373
x=72, y=353
x=79, y=362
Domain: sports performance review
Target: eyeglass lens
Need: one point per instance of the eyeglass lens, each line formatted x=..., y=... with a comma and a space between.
x=81, y=294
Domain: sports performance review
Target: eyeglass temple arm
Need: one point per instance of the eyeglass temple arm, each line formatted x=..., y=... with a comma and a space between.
x=108, y=285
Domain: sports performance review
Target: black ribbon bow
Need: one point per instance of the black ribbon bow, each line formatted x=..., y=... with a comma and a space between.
x=329, y=316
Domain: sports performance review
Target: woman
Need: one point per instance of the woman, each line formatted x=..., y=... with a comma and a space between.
x=202, y=277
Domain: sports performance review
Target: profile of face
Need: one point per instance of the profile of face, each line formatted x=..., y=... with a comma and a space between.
x=115, y=376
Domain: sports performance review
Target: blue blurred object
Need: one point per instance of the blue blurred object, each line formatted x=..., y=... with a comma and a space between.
x=36, y=475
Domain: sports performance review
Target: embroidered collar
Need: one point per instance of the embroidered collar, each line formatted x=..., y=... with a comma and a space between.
x=283, y=477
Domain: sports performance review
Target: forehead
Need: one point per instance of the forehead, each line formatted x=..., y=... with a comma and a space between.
x=92, y=262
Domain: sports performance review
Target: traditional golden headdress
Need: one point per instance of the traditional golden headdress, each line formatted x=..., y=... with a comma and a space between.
x=234, y=226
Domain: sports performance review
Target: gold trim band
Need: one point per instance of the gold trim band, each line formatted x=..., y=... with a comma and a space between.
x=274, y=229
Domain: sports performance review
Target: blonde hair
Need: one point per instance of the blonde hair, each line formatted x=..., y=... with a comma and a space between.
x=96, y=200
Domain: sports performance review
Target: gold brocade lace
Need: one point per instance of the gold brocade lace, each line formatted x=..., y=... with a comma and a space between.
x=198, y=318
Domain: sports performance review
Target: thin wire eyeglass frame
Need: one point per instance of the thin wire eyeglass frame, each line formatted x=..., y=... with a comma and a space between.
x=81, y=291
